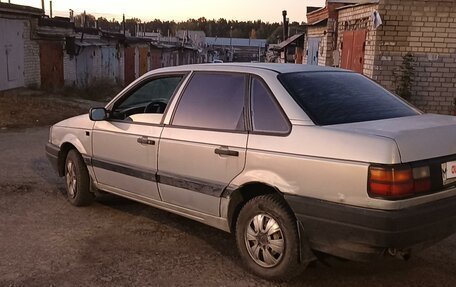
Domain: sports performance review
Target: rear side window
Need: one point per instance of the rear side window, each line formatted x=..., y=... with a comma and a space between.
x=266, y=114
x=213, y=101
x=331, y=98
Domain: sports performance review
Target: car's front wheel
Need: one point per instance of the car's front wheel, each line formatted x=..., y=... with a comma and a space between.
x=267, y=238
x=77, y=180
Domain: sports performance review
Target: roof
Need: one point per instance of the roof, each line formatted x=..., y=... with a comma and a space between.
x=362, y=3
x=90, y=42
x=318, y=16
x=279, y=68
x=288, y=41
x=20, y=9
x=237, y=42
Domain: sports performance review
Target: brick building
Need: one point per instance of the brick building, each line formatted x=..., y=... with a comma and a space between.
x=423, y=30
x=321, y=38
x=427, y=29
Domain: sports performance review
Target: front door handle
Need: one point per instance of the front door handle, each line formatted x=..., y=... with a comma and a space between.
x=226, y=151
x=145, y=140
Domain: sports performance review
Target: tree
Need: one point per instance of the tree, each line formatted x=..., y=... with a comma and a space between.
x=211, y=27
x=131, y=25
x=404, y=76
x=89, y=20
x=103, y=23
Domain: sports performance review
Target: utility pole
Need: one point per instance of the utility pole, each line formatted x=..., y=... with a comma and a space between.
x=123, y=22
x=231, y=44
x=285, y=25
x=50, y=9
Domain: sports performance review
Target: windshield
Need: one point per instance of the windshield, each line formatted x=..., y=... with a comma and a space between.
x=331, y=98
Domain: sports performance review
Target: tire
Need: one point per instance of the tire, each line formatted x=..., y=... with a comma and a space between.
x=267, y=238
x=77, y=180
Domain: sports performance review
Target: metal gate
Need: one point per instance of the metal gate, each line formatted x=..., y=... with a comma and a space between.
x=51, y=64
x=143, y=63
x=11, y=54
x=313, y=45
x=109, y=63
x=155, y=61
x=129, y=65
x=353, y=47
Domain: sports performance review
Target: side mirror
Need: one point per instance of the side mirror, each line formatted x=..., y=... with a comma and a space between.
x=98, y=114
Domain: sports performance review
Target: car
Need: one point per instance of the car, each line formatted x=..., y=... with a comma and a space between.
x=294, y=160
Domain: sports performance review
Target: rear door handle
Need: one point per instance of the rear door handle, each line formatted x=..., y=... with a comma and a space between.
x=226, y=151
x=145, y=140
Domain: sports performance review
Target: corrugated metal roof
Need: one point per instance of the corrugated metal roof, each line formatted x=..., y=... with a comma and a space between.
x=20, y=9
x=237, y=42
x=288, y=41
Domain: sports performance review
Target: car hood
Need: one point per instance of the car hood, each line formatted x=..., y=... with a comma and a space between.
x=417, y=137
x=81, y=122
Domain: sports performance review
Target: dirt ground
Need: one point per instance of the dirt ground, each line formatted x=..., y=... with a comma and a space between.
x=44, y=241
x=28, y=108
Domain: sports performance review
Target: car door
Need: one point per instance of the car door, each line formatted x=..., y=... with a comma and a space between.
x=125, y=146
x=204, y=147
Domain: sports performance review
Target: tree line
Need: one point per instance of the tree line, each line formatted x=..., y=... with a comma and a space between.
x=211, y=27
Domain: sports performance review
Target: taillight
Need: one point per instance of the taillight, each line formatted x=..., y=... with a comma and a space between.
x=398, y=181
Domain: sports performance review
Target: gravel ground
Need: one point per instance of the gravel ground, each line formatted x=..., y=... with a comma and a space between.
x=44, y=241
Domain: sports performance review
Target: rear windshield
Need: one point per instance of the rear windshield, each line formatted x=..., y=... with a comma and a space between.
x=331, y=98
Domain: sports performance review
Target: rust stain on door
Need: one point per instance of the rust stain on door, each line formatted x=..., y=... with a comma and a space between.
x=143, y=57
x=51, y=64
x=155, y=61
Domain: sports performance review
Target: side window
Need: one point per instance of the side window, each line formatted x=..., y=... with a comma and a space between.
x=266, y=114
x=213, y=101
x=147, y=102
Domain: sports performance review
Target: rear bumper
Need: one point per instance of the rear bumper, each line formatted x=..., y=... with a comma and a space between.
x=362, y=234
x=52, y=153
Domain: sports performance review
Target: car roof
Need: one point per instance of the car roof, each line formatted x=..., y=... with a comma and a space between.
x=279, y=68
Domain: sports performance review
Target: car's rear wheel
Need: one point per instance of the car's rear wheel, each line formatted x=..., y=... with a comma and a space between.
x=267, y=238
x=77, y=180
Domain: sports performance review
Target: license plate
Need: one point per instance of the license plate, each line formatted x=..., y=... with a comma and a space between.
x=449, y=172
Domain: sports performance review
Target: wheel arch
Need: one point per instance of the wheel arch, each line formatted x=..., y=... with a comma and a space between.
x=64, y=149
x=247, y=191
x=240, y=196
x=68, y=142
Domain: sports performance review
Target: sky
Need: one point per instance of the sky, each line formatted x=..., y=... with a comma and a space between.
x=179, y=10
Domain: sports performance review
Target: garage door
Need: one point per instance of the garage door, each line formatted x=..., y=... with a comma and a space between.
x=11, y=54
x=353, y=46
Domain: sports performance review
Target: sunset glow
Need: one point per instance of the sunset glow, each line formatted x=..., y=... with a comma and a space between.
x=182, y=10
